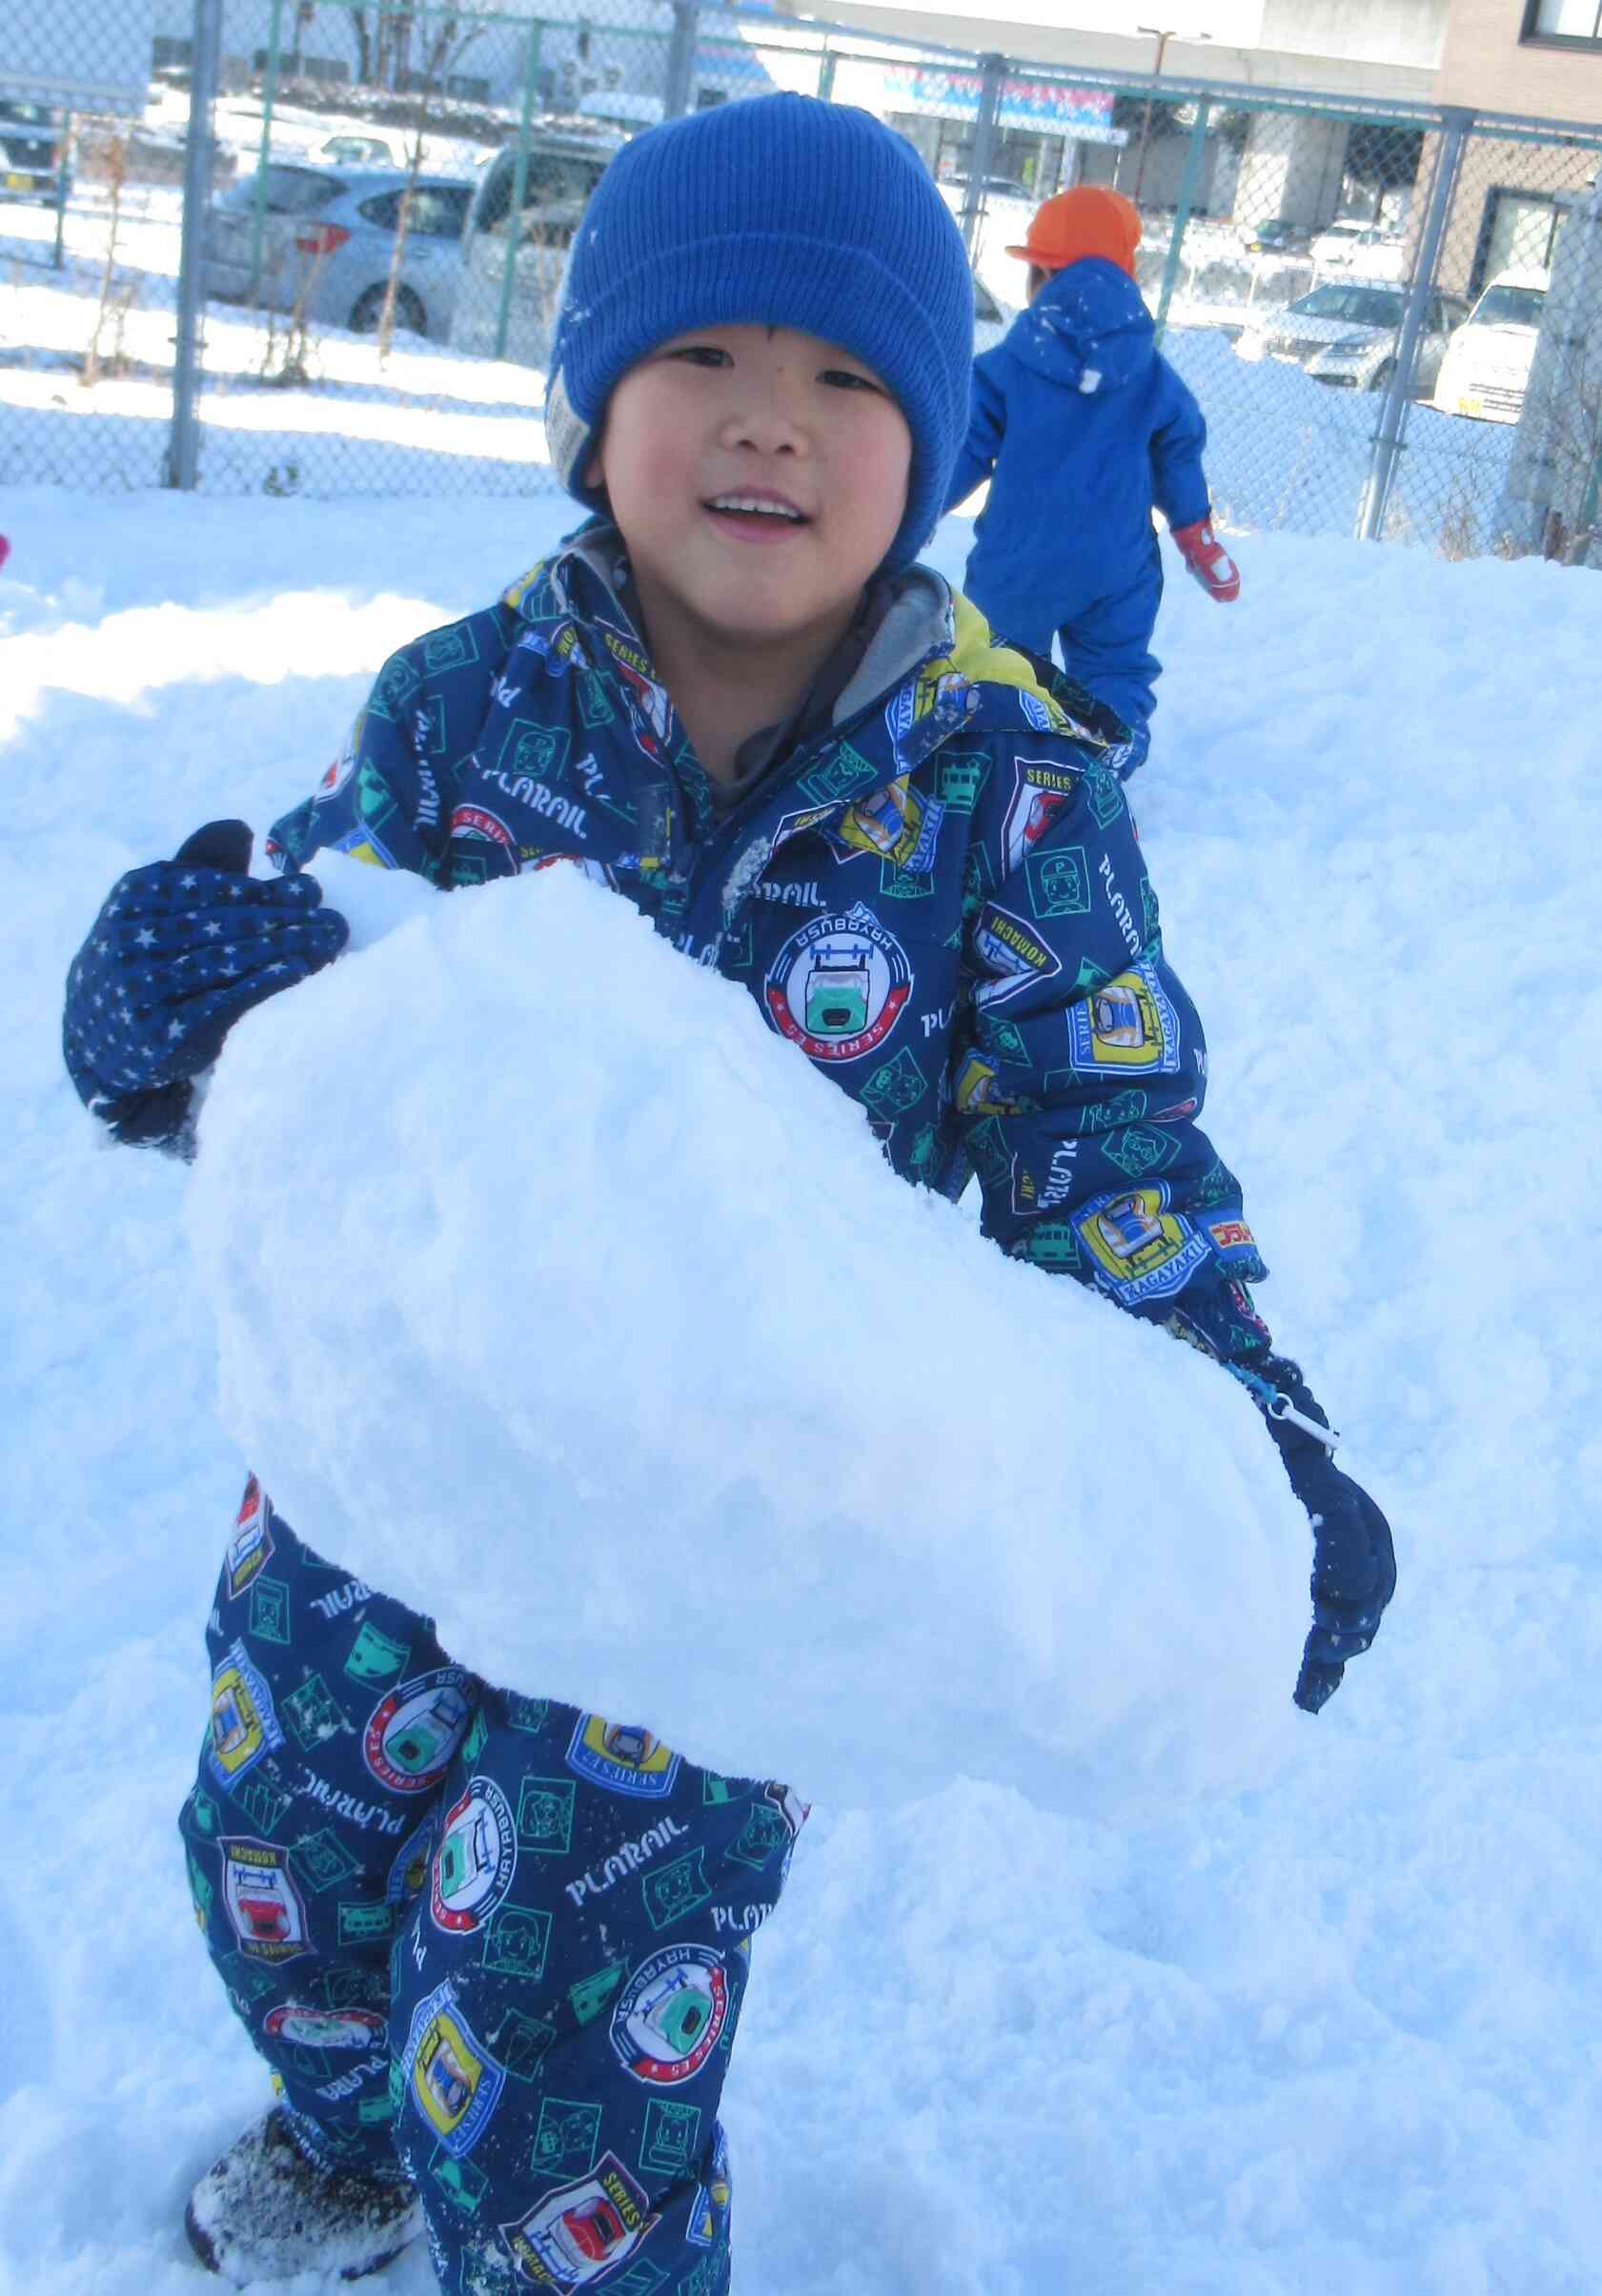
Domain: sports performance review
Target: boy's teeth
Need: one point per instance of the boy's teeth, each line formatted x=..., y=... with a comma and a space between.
x=772, y=510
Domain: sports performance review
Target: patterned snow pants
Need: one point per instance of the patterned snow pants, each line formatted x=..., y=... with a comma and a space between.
x=486, y=1942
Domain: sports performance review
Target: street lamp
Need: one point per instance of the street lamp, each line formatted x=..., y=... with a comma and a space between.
x=1162, y=39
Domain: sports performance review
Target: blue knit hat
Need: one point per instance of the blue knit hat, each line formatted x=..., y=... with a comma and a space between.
x=778, y=211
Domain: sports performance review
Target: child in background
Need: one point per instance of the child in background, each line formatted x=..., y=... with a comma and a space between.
x=1081, y=424
x=484, y=1938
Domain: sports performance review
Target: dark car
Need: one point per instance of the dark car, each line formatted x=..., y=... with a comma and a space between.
x=33, y=149
x=994, y=187
x=1277, y=237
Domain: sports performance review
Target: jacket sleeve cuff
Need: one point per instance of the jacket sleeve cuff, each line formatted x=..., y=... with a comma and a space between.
x=1221, y=1318
x=162, y=1118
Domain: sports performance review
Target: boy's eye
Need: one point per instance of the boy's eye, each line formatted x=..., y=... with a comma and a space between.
x=842, y=378
x=699, y=354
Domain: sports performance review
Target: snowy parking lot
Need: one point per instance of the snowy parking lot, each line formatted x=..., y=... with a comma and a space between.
x=1287, y=455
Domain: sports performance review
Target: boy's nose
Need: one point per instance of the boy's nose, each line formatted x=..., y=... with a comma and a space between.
x=768, y=421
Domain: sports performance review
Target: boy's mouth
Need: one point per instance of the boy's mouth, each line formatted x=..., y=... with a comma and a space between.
x=756, y=512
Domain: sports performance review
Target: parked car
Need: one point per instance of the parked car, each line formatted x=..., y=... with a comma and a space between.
x=1277, y=237
x=561, y=168
x=356, y=151
x=1347, y=332
x=329, y=233
x=991, y=318
x=1487, y=370
x=1368, y=248
x=33, y=149
x=564, y=164
x=994, y=187
x=138, y=151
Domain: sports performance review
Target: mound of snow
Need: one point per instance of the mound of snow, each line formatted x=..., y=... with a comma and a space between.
x=558, y=1298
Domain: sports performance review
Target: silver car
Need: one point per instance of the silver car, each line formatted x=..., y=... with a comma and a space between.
x=328, y=233
x=991, y=318
x=1347, y=332
x=561, y=168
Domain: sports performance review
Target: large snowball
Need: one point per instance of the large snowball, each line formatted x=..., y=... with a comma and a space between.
x=560, y=1298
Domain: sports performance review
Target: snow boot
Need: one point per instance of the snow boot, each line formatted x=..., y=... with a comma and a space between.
x=265, y=2211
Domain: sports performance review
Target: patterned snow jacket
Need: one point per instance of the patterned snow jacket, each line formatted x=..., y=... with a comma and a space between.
x=939, y=899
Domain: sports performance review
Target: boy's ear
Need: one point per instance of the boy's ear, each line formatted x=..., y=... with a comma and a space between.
x=594, y=465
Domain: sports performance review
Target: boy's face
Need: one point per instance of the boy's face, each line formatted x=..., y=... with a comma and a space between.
x=758, y=476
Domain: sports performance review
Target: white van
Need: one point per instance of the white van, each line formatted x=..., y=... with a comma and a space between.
x=564, y=164
x=1486, y=369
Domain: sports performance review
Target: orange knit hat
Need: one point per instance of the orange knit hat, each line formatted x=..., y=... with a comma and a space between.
x=1085, y=221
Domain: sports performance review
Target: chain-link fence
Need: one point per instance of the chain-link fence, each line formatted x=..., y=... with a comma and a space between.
x=316, y=247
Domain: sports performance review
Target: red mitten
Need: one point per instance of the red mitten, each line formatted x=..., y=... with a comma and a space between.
x=1208, y=561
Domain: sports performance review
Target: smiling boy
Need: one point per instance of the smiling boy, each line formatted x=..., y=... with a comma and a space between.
x=759, y=476
x=734, y=697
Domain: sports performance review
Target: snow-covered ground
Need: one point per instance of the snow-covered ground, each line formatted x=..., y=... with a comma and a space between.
x=424, y=422
x=1326, y=2025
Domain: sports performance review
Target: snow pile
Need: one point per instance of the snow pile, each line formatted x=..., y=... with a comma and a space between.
x=560, y=1298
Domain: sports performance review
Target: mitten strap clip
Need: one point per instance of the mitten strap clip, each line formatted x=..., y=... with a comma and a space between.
x=1276, y=1404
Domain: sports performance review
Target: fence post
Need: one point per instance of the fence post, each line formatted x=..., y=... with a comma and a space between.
x=826, y=72
x=68, y=129
x=269, y=97
x=519, y=187
x=183, y=446
x=1190, y=184
x=1550, y=488
x=992, y=70
x=1456, y=122
x=682, y=58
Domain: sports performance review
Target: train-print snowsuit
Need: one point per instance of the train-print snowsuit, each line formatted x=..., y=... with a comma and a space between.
x=490, y=1939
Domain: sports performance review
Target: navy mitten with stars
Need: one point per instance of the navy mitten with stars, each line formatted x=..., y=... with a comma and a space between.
x=181, y=949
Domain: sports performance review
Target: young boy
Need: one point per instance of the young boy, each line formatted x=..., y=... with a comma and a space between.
x=484, y=1939
x=1081, y=424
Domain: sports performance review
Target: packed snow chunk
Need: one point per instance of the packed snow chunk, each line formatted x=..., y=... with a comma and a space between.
x=373, y=901
x=559, y=1297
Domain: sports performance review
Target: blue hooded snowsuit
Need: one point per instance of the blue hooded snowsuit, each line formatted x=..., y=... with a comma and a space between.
x=1081, y=424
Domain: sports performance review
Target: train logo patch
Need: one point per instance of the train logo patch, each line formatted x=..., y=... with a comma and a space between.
x=314, y=2028
x=455, y=2083
x=839, y=985
x=669, y=2016
x=576, y=2234
x=244, y=1726
x=250, y=1547
x=263, y=1900
x=622, y=1758
x=412, y=1734
x=477, y=1858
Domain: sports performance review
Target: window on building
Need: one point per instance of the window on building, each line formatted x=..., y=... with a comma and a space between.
x=1577, y=20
